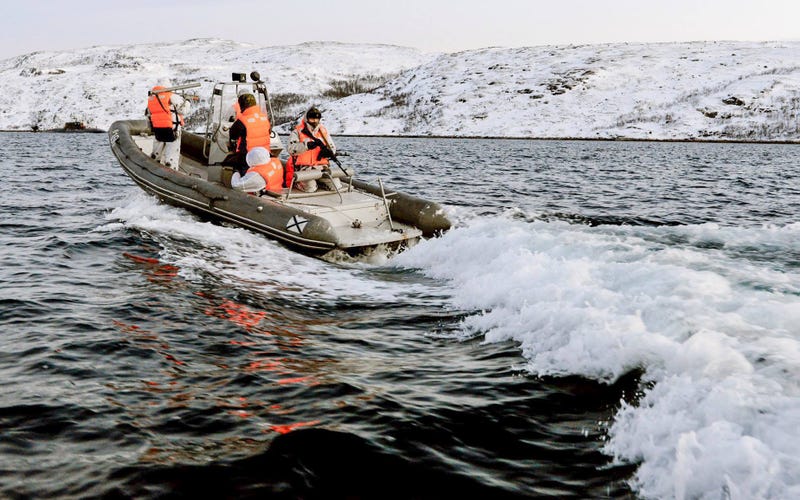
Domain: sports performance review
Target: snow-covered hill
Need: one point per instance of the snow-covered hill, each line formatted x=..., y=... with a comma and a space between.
x=714, y=90
x=99, y=85
x=717, y=90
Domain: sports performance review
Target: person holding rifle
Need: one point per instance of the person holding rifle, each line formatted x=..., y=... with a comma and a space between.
x=310, y=146
x=165, y=110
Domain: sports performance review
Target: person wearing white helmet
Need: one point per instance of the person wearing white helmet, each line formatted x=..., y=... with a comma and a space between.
x=265, y=172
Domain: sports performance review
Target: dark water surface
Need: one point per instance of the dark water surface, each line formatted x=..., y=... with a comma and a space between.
x=140, y=358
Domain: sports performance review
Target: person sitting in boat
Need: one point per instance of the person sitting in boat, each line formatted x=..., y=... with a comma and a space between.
x=265, y=173
x=166, y=110
x=250, y=130
x=310, y=146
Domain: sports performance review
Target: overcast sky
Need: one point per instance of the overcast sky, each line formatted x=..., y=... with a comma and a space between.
x=434, y=25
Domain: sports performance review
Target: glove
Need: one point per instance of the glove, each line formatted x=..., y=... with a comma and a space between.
x=314, y=143
x=325, y=152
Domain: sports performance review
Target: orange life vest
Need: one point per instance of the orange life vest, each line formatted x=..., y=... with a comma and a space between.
x=257, y=125
x=310, y=157
x=272, y=172
x=159, y=106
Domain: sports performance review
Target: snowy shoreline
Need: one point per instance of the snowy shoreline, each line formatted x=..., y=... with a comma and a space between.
x=688, y=92
x=479, y=137
x=583, y=139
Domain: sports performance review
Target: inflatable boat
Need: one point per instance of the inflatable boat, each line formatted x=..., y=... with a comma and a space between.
x=353, y=218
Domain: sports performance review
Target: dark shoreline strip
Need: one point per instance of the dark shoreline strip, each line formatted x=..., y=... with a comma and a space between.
x=492, y=137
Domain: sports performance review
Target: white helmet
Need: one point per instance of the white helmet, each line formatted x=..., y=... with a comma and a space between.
x=257, y=156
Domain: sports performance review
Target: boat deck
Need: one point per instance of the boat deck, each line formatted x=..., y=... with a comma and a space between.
x=348, y=209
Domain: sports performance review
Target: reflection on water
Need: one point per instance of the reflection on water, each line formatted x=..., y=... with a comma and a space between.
x=148, y=352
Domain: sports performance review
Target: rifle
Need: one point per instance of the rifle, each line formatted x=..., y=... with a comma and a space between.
x=332, y=155
x=178, y=87
x=173, y=89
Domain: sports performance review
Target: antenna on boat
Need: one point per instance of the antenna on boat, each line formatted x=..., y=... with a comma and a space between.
x=260, y=87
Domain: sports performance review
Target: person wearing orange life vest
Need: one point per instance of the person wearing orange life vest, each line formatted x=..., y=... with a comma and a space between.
x=265, y=173
x=310, y=146
x=237, y=110
x=165, y=111
x=250, y=130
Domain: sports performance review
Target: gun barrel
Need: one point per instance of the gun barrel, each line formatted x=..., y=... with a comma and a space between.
x=176, y=87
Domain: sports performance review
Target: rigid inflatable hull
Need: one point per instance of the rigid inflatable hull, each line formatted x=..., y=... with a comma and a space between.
x=217, y=202
x=278, y=220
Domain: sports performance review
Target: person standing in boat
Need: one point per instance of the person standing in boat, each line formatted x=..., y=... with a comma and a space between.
x=166, y=110
x=310, y=146
x=250, y=130
x=265, y=172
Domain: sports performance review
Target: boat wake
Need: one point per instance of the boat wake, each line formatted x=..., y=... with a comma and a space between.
x=716, y=334
x=713, y=331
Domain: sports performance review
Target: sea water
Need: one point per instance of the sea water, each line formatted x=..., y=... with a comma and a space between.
x=605, y=319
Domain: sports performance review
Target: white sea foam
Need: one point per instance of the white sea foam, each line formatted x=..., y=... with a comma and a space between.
x=240, y=256
x=717, y=333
